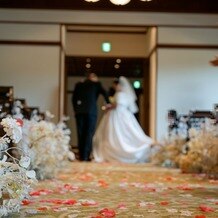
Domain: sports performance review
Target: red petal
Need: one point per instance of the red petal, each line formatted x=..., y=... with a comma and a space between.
x=200, y=216
x=102, y=183
x=26, y=202
x=169, y=178
x=184, y=188
x=107, y=212
x=89, y=203
x=206, y=208
x=40, y=192
x=121, y=206
x=19, y=122
x=42, y=208
x=149, y=189
x=164, y=203
x=35, y=193
x=69, y=202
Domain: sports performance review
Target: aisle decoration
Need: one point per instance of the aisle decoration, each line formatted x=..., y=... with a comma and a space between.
x=199, y=154
x=169, y=153
x=48, y=146
x=15, y=179
x=202, y=155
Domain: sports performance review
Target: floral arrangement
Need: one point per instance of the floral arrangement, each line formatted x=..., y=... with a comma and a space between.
x=16, y=180
x=168, y=154
x=48, y=146
x=202, y=155
x=17, y=110
x=198, y=155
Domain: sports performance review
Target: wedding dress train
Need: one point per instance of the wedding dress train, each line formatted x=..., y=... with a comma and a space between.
x=119, y=136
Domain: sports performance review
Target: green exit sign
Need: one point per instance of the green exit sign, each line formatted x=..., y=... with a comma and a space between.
x=106, y=46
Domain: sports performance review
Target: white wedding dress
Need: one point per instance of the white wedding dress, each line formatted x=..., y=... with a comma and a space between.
x=119, y=137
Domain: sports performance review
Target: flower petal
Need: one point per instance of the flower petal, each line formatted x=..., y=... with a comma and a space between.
x=31, y=174
x=24, y=161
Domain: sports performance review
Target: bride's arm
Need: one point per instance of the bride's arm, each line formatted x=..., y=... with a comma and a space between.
x=108, y=107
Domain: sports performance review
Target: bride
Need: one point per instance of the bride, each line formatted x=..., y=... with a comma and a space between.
x=119, y=136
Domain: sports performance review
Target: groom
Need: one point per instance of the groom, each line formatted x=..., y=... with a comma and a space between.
x=84, y=101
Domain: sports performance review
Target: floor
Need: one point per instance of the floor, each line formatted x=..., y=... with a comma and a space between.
x=95, y=190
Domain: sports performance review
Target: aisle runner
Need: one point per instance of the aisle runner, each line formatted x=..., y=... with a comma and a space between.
x=120, y=190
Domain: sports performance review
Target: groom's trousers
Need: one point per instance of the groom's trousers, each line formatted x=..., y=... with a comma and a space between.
x=86, y=124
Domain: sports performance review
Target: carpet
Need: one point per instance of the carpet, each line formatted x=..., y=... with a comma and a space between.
x=93, y=190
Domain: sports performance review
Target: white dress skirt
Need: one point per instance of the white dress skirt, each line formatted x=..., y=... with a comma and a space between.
x=119, y=137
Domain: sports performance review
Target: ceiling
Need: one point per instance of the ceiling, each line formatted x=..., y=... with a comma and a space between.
x=180, y=6
x=105, y=66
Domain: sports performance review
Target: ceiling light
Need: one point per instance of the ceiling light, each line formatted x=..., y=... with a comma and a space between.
x=88, y=60
x=116, y=66
x=118, y=61
x=88, y=66
x=91, y=0
x=118, y=2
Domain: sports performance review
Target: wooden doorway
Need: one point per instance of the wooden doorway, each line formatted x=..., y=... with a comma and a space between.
x=108, y=68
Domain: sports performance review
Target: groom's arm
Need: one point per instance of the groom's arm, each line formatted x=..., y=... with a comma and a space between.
x=103, y=92
x=75, y=95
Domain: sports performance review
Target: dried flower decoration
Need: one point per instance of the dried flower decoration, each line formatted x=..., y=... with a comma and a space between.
x=49, y=139
x=16, y=180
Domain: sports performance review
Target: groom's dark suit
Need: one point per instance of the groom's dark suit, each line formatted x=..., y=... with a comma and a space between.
x=84, y=101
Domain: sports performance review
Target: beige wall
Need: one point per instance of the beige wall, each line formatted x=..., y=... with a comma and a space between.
x=104, y=17
x=191, y=36
x=124, y=45
x=186, y=81
x=33, y=71
x=29, y=32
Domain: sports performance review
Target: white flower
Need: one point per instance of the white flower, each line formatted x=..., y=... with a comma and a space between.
x=65, y=118
x=15, y=183
x=24, y=161
x=4, y=159
x=31, y=174
x=49, y=115
x=44, y=137
x=40, y=129
x=18, y=104
x=4, y=143
x=71, y=156
x=12, y=129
